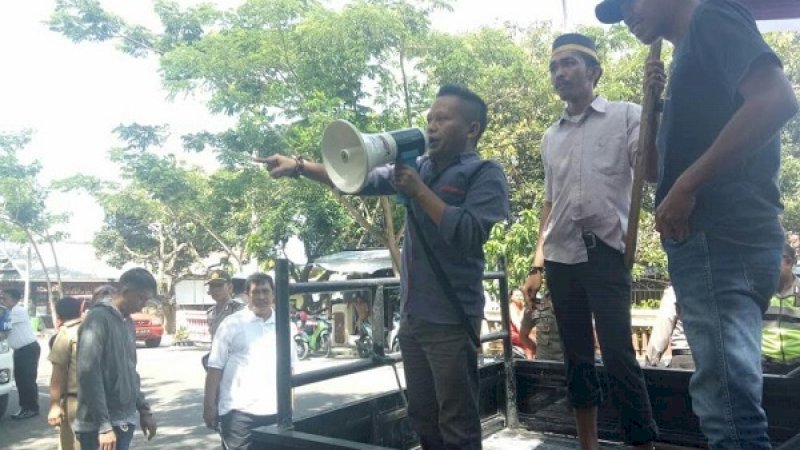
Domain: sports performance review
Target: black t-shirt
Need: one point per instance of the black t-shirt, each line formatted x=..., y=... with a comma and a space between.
x=742, y=204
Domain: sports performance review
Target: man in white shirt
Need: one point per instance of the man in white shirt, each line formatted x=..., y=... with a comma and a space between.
x=668, y=333
x=26, y=355
x=241, y=391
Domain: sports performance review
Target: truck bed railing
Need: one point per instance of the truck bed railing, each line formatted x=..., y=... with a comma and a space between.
x=376, y=288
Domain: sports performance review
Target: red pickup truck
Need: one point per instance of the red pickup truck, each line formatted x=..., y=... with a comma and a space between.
x=149, y=325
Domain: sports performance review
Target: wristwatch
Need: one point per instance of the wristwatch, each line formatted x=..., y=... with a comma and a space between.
x=536, y=269
x=299, y=167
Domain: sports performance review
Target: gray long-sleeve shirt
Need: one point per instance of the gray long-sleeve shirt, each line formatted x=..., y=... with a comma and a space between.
x=109, y=391
x=476, y=194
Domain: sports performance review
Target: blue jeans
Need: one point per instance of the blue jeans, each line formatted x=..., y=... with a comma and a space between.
x=723, y=290
x=124, y=437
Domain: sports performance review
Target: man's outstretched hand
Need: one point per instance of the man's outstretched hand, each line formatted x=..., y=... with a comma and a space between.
x=279, y=166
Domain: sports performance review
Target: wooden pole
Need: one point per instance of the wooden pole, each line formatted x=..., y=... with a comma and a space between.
x=647, y=143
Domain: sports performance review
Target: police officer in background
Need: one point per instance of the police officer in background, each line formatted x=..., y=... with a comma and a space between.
x=220, y=288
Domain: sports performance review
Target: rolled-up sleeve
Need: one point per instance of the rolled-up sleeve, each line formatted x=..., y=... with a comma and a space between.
x=486, y=203
x=218, y=357
x=634, y=117
x=91, y=387
x=379, y=181
x=548, y=173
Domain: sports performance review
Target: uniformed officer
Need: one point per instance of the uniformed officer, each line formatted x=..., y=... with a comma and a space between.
x=220, y=288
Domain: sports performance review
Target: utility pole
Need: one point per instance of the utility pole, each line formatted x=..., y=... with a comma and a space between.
x=565, y=24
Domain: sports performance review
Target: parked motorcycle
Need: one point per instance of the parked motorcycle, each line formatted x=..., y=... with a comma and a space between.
x=314, y=337
x=394, y=340
x=364, y=342
x=301, y=342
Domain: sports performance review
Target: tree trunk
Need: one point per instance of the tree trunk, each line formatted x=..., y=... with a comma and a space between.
x=406, y=96
x=58, y=267
x=50, y=302
x=388, y=219
x=219, y=240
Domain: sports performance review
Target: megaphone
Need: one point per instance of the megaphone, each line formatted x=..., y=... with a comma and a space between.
x=349, y=155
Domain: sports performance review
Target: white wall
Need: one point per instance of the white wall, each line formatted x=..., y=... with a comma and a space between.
x=192, y=292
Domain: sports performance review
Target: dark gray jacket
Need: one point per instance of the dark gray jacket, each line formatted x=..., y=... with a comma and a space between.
x=109, y=393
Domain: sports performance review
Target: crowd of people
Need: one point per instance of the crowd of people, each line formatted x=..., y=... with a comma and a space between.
x=718, y=206
x=717, y=211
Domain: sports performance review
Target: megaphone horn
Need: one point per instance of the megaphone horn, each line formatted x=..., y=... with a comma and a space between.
x=349, y=155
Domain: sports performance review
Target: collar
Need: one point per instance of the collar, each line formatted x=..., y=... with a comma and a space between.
x=106, y=303
x=252, y=317
x=72, y=323
x=599, y=104
x=462, y=157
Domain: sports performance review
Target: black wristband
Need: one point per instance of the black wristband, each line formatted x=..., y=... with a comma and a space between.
x=299, y=167
x=536, y=269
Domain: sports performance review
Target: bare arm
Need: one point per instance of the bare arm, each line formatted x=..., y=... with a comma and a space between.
x=210, y=412
x=58, y=384
x=525, y=337
x=662, y=328
x=769, y=102
x=534, y=281
x=280, y=166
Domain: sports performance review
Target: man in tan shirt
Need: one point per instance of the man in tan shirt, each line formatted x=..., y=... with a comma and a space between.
x=64, y=381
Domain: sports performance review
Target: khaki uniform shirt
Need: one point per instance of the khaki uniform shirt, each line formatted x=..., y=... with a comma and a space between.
x=216, y=317
x=64, y=353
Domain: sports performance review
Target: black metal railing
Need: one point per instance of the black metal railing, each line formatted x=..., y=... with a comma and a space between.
x=376, y=288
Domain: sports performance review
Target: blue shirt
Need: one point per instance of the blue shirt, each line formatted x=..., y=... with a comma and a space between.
x=476, y=194
x=740, y=205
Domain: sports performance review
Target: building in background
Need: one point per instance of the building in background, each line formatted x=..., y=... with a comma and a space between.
x=81, y=271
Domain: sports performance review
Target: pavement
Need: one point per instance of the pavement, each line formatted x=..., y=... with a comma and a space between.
x=173, y=380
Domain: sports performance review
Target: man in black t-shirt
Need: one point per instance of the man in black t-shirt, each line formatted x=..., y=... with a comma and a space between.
x=717, y=196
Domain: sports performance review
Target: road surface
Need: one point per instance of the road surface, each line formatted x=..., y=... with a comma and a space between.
x=172, y=379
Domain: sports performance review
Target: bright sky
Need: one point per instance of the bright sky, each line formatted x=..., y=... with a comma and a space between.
x=73, y=95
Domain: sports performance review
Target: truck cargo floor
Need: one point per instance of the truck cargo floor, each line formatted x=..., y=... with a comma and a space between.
x=521, y=439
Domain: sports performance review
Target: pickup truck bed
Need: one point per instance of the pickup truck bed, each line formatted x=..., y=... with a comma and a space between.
x=545, y=420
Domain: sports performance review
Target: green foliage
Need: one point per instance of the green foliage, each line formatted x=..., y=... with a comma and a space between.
x=286, y=68
x=22, y=196
x=648, y=303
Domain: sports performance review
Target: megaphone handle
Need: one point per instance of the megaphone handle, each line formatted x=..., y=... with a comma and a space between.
x=407, y=158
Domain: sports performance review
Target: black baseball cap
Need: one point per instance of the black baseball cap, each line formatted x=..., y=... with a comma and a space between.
x=609, y=11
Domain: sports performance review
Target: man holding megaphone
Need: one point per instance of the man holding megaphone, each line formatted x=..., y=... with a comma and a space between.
x=453, y=199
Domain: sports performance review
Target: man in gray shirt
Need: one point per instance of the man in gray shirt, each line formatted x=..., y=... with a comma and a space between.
x=109, y=392
x=456, y=197
x=588, y=156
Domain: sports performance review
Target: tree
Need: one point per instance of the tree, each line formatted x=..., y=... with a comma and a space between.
x=23, y=214
x=287, y=68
